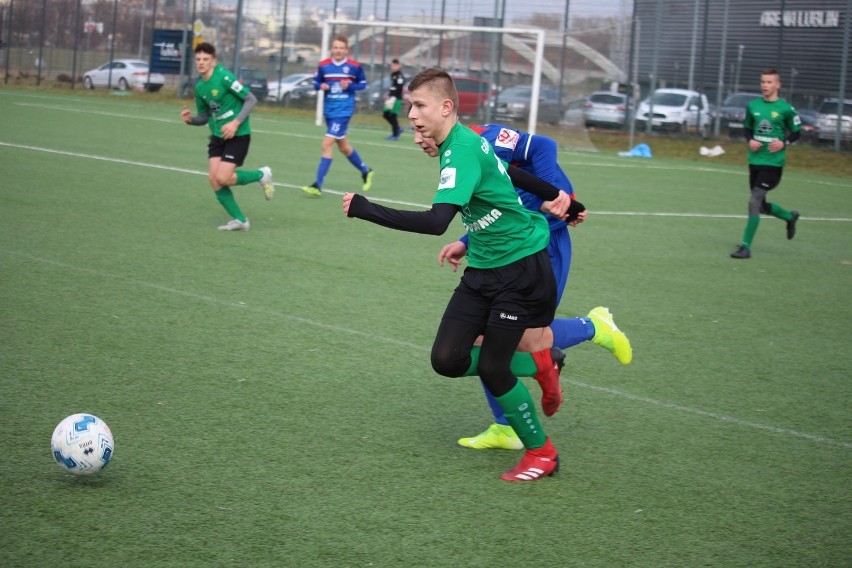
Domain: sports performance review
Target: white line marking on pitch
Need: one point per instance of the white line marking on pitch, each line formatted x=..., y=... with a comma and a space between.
x=373, y=337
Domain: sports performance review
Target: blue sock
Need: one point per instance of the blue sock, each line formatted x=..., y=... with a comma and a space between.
x=355, y=160
x=570, y=332
x=322, y=170
x=496, y=409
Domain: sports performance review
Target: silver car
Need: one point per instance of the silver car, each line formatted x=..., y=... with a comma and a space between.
x=604, y=108
x=828, y=118
x=124, y=74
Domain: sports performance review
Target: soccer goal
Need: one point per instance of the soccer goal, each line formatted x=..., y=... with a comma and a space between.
x=498, y=70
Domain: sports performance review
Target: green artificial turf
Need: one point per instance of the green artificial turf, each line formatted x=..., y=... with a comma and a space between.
x=271, y=396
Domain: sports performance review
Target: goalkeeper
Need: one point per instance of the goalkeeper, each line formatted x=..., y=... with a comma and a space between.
x=393, y=102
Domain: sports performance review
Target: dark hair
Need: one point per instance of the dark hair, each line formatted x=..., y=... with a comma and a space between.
x=771, y=71
x=205, y=47
x=439, y=82
x=395, y=60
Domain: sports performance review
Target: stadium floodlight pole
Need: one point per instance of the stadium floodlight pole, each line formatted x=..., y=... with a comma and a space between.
x=721, y=80
x=537, y=63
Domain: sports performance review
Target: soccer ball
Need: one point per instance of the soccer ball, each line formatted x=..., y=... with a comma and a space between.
x=82, y=444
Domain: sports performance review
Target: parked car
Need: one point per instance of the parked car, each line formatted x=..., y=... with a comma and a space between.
x=827, y=122
x=810, y=123
x=473, y=95
x=604, y=108
x=279, y=91
x=733, y=112
x=574, y=113
x=678, y=110
x=125, y=74
x=250, y=77
x=376, y=91
x=514, y=104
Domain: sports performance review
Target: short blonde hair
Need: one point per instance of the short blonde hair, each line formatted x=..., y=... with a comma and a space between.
x=439, y=82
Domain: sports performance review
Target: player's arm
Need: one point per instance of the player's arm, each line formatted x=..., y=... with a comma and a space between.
x=359, y=80
x=435, y=221
x=248, y=103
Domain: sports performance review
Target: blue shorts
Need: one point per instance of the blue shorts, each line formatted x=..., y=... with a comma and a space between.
x=337, y=127
x=559, y=250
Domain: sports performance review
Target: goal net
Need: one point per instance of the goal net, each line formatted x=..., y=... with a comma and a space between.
x=503, y=75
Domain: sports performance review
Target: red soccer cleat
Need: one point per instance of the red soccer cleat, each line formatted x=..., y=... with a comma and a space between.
x=535, y=464
x=549, y=362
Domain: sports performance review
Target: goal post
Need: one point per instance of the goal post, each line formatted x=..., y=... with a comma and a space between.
x=536, y=57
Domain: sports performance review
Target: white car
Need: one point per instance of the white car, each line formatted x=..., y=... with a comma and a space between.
x=125, y=74
x=678, y=110
x=279, y=91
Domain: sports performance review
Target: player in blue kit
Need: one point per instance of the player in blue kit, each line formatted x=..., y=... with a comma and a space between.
x=339, y=78
x=538, y=156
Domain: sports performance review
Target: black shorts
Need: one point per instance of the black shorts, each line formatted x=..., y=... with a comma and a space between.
x=233, y=150
x=518, y=295
x=764, y=177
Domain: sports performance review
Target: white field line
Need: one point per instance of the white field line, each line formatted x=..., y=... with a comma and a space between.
x=581, y=159
x=372, y=336
x=384, y=200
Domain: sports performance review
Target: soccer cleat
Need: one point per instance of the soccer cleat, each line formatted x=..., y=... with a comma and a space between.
x=535, y=464
x=608, y=336
x=741, y=252
x=266, y=183
x=791, y=225
x=392, y=137
x=368, y=180
x=313, y=190
x=235, y=225
x=549, y=362
x=496, y=436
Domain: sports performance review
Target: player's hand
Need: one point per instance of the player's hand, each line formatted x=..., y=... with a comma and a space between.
x=344, y=84
x=347, y=201
x=452, y=253
x=776, y=146
x=324, y=87
x=581, y=216
x=559, y=206
x=754, y=145
x=185, y=115
x=229, y=129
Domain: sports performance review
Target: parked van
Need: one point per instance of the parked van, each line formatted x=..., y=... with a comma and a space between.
x=677, y=110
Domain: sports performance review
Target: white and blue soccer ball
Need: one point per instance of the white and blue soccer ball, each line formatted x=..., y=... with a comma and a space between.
x=82, y=444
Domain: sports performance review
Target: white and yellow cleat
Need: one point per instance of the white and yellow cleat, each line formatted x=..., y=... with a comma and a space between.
x=496, y=436
x=608, y=336
x=266, y=183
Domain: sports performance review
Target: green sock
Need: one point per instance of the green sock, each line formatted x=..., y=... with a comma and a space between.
x=226, y=198
x=523, y=364
x=246, y=177
x=750, y=230
x=777, y=211
x=519, y=409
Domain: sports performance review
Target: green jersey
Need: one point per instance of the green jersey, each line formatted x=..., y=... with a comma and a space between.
x=500, y=229
x=768, y=121
x=221, y=96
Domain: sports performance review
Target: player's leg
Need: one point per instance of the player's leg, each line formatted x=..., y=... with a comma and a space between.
x=239, y=146
x=217, y=170
x=354, y=158
x=789, y=217
x=541, y=458
x=332, y=131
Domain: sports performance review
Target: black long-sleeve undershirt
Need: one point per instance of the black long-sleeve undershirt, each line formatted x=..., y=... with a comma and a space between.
x=436, y=220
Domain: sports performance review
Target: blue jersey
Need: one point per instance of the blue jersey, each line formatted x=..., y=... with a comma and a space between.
x=534, y=154
x=339, y=103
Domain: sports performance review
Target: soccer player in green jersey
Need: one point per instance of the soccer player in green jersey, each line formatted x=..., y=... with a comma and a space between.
x=508, y=285
x=771, y=124
x=223, y=104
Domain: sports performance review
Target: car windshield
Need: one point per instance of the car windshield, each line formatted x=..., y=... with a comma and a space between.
x=668, y=99
x=830, y=107
x=293, y=78
x=739, y=100
x=519, y=91
x=252, y=74
x=606, y=99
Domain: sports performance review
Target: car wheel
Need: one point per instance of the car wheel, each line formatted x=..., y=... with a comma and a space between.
x=122, y=84
x=705, y=130
x=87, y=81
x=285, y=99
x=154, y=88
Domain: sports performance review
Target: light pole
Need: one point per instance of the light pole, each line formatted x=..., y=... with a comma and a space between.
x=740, y=50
